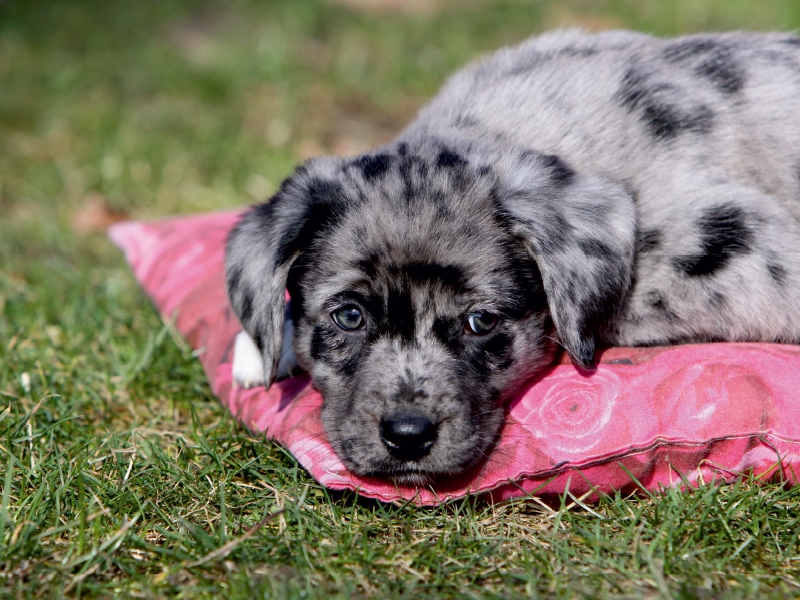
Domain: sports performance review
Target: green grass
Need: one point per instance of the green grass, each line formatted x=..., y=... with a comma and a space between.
x=120, y=474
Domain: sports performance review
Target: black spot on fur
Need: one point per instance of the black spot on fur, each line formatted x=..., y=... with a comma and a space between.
x=656, y=300
x=491, y=354
x=525, y=283
x=258, y=340
x=369, y=263
x=469, y=229
x=463, y=120
x=408, y=390
x=397, y=316
x=634, y=91
x=325, y=206
x=723, y=71
x=559, y=232
x=552, y=230
x=688, y=48
x=594, y=304
x=596, y=249
x=725, y=234
x=792, y=41
x=718, y=300
x=245, y=306
x=777, y=272
x=483, y=355
x=333, y=348
x=583, y=353
x=409, y=189
x=448, y=332
x=438, y=198
x=234, y=278
x=451, y=276
x=560, y=173
x=264, y=212
x=449, y=160
x=320, y=343
x=599, y=304
x=648, y=241
x=665, y=122
x=414, y=175
x=577, y=52
x=399, y=320
x=717, y=62
x=373, y=166
x=664, y=119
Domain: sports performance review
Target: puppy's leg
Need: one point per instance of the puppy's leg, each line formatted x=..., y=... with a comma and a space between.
x=248, y=364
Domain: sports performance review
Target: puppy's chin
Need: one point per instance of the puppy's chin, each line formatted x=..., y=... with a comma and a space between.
x=411, y=478
x=421, y=477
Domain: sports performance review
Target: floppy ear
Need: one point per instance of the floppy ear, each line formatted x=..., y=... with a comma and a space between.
x=266, y=242
x=581, y=231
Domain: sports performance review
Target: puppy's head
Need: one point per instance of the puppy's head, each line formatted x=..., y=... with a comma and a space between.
x=429, y=281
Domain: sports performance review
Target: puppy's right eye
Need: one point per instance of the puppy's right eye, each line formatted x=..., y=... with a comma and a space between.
x=480, y=323
x=348, y=318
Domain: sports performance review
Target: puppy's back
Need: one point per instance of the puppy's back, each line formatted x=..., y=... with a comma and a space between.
x=703, y=131
x=635, y=107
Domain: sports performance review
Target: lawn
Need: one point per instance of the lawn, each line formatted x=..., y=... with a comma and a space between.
x=120, y=473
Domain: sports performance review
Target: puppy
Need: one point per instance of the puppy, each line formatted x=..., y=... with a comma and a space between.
x=573, y=190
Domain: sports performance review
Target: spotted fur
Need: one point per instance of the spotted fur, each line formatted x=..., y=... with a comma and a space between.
x=573, y=190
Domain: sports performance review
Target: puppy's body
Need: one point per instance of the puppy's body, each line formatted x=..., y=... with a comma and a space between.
x=703, y=131
x=613, y=188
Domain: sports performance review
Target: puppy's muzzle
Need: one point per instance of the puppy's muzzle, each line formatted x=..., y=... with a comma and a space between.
x=408, y=436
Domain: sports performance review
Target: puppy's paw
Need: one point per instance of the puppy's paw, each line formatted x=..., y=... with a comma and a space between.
x=248, y=366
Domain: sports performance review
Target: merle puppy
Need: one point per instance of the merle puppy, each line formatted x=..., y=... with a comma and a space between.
x=576, y=189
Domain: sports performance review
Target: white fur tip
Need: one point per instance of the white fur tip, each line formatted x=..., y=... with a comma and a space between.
x=248, y=368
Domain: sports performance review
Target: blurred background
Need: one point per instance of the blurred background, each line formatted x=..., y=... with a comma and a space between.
x=148, y=108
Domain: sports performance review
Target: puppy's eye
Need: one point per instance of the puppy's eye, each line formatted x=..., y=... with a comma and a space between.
x=480, y=323
x=348, y=318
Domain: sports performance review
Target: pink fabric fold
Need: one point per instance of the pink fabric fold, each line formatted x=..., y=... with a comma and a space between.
x=649, y=417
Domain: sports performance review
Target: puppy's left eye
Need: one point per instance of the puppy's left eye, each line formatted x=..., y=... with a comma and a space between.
x=480, y=323
x=348, y=318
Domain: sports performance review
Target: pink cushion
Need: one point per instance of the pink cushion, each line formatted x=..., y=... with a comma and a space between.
x=660, y=415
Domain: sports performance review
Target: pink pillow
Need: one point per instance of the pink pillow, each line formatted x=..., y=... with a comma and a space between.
x=660, y=415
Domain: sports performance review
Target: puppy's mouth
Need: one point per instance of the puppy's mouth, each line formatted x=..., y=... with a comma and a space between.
x=416, y=474
x=411, y=478
x=412, y=475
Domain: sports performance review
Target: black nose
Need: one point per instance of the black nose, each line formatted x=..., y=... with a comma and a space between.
x=408, y=437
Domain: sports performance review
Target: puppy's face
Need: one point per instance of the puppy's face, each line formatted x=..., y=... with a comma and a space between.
x=419, y=298
x=415, y=320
